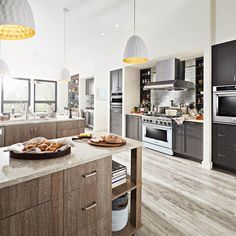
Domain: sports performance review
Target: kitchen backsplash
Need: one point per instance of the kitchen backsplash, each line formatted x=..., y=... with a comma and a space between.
x=162, y=97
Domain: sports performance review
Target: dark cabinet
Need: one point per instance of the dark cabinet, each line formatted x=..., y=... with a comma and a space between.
x=116, y=80
x=89, y=90
x=224, y=64
x=134, y=127
x=188, y=139
x=224, y=146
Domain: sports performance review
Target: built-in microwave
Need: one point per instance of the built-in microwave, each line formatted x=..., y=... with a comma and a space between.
x=224, y=104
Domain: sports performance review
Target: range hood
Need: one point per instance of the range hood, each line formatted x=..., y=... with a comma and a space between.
x=168, y=77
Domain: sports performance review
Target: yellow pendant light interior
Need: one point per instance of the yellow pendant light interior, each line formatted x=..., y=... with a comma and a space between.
x=16, y=20
x=135, y=49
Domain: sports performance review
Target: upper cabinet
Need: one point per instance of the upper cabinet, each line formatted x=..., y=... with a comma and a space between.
x=224, y=64
x=89, y=90
x=116, y=80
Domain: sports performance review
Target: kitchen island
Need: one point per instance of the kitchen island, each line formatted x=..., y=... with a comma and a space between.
x=71, y=195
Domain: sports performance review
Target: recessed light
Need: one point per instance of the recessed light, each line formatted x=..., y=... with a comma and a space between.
x=102, y=34
x=117, y=25
x=77, y=49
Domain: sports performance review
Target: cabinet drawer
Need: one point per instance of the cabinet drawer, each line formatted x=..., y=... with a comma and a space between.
x=80, y=176
x=224, y=135
x=25, y=195
x=33, y=221
x=224, y=156
x=85, y=206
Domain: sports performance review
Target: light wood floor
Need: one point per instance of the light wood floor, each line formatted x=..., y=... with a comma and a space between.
x=181, y=198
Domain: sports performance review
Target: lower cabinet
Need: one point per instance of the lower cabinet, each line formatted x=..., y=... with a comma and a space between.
x=87, y=200
x=50, y=206
x=70, y=128
x=188, y=139
x=134, y=127
x=34, y=221
x=224, y=147
x=116, y=121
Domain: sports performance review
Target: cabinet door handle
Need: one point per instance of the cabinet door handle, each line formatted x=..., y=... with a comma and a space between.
x=31, y=130
x=35, y=129
x=89, y=207
x=221, y=135
x=90, y=175
x=221, y=155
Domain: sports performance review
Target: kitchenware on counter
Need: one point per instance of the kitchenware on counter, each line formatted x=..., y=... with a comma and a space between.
x=104, y=144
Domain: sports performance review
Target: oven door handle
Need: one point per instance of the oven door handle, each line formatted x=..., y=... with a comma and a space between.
x=228, y=93
x=157, y=126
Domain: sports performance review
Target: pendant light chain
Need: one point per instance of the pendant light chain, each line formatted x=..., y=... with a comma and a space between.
x=134, y=16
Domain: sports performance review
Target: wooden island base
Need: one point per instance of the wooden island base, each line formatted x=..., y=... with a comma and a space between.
x=72, y=202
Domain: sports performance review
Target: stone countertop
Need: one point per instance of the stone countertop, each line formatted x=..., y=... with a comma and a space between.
x=14, y=171
x=187, y=119
x=37, y=121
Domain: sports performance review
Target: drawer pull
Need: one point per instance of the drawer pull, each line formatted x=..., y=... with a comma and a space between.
x=221, y=155
x=90, y=175
x=89, y=207
x=221, y=135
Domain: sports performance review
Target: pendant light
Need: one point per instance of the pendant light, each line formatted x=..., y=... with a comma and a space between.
x=135, y=49
x=4, y=71
x=65, y=74
x=16, y=20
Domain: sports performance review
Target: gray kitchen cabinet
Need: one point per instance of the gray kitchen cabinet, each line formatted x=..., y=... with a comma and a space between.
x=193, y=140
x=224, y=147
x=134, y=127
x=188, y=140
x=116, y=120
x=89, y=89
x=116, y=80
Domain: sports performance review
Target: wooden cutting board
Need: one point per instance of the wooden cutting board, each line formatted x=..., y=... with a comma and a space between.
x=104, y=144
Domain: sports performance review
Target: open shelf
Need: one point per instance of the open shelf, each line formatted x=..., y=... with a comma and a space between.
x=123, y=189
x=127, y=231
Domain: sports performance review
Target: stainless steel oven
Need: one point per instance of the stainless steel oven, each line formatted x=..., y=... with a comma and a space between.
x=116, y=99
x=157, y=134
x=224, y=104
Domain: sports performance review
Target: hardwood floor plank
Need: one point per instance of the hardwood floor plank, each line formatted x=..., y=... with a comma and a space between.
x=182, y=198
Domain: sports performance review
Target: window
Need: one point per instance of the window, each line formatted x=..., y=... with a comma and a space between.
x=15, y=94
x=45, y=94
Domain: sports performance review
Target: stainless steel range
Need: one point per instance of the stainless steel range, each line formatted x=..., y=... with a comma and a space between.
x=157, y=133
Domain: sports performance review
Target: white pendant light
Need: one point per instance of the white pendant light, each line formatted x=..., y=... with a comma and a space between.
x=135, y=49
x=65, y=73
x=16, y=20
x=4, y=71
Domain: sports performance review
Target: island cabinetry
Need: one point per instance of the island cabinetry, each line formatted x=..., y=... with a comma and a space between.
x=70, y=128
x=87, y=200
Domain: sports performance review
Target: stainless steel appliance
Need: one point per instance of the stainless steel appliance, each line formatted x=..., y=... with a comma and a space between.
x=169, y=77
x=116, y=99
x=224, y=104
x=157, y=133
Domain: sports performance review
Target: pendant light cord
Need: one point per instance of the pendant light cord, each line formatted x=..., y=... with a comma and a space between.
x=64, y=10
x=134, y=16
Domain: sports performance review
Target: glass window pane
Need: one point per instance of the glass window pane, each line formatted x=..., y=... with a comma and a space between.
x=15, y=90
x=42, y=107
x=45, y=91
x=18, y=107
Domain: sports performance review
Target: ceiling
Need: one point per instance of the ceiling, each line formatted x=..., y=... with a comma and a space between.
x=86, y=20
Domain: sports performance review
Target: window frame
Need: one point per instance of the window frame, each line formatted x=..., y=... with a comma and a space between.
x=11, y=101
x=46, y=101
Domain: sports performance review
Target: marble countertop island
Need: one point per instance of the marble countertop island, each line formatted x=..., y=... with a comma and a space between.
x=14, y=171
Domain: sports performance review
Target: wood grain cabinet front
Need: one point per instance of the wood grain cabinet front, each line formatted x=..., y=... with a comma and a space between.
x=35, y=221
x=70, y=128
x=88, y=199
x=20, y=197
